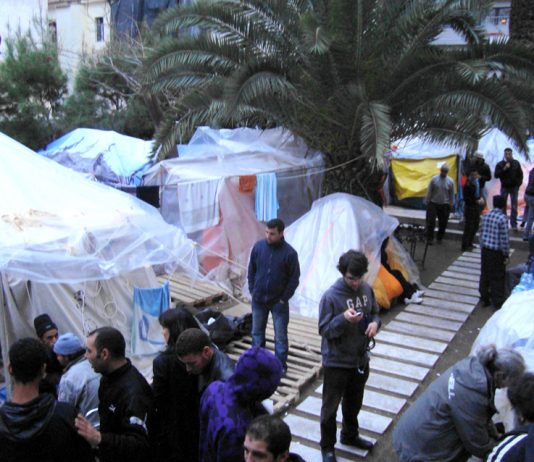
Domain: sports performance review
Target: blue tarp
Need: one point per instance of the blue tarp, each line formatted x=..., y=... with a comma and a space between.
x=104, y=155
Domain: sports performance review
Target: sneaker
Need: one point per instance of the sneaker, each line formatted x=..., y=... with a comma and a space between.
x=413, y=299
x=420, y=293
x=357, y=442
x=329, y=456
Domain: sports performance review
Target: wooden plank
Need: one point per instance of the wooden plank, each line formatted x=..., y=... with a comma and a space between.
x=312, y=454
x=437, y=312
x=409, y=341
x=377, y=400
x=430, y=321
x=391, y=384
x=464, y=270
x=469, y=258
x=447, y=305
x=405, y=354
x=468, y=302
x=454, y=281
x=421, y=331
x=467, y=264
x=457, y=290
x=389, y=366
x=367, y=420
x=461, y=276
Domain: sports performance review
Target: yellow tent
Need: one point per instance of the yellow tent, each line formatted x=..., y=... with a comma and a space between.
x=411, y=177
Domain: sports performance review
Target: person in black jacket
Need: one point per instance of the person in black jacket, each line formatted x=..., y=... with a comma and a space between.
x=33, y=426
x=473, y=206
x=529, y=209
x=510, y=173
x=47, y=331
x=273, y=277
x=176, y=395
x=200, y=357
x=126, y=401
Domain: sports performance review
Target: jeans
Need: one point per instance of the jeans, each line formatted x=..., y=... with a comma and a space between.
x=513, y=193
x=260, y=315
x=441, y=211
x=347, y=385
x=530, y=217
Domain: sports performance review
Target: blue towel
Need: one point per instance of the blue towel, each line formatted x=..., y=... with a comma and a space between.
x=147, y=338
x=266, y=201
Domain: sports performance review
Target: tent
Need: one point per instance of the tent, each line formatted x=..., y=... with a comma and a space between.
x=75, y=249
x=104, y=155
x=413, y=162
x=492, y=145
x=335, y=224
x=226, y=182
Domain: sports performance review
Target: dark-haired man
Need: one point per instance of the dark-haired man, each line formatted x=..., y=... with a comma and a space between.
x=348, y=319
x=510, y=173
x=47, y=332
x=273, y=277
x=495, y=244
x=267, y=440
x=33, y=427
x=126, y=401
x=200, y=357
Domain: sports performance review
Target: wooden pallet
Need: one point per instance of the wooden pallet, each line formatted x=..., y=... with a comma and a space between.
x=303, y=362
x=192, y=292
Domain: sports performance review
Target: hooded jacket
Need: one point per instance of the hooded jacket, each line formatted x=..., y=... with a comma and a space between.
x=449, y=421
x=273, y=272
x=227, y=408
x=516, y=446
x=41, y=430
x=344, y=344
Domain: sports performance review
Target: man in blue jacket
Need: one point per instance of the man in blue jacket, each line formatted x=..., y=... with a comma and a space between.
x=273, y=276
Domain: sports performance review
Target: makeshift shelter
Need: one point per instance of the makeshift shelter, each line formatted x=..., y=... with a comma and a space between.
x=226, y=182
x=335, y=224
x=413, y=162
x=103, y=155
x=492, y=145
x=76, y=249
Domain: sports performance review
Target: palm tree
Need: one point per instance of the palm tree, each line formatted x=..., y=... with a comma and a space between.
x=522, y=21
x=346, y=75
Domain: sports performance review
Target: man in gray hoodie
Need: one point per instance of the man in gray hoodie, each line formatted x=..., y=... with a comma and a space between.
x=348, y=320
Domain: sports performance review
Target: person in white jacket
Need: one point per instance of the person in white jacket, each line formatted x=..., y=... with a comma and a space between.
x=79, y=382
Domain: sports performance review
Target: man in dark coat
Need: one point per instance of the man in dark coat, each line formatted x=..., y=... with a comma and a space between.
x=126, y=402
x=473, y=207
x=510, y=173
x=33, y=427
x=47, y=332
x=273, y=277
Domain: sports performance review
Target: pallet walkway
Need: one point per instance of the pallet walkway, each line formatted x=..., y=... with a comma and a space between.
x=192, y=292
x=407, y=348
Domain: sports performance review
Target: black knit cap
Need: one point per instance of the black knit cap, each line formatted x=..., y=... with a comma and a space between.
x=43, y=323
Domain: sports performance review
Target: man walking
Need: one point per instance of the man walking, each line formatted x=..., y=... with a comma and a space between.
x=348, y=319
x=33, y=427
x=495, y=245
x=439, y=201
x=273, y=277
x=126, y=401
x=510, y=173
x=473, y=206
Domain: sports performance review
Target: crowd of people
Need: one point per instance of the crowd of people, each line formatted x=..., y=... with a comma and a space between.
x=79, y=399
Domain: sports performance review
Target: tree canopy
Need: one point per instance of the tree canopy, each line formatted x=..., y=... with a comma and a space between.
x=348, y=76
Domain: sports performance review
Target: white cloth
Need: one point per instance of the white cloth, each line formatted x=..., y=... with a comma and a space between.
x=198, y=204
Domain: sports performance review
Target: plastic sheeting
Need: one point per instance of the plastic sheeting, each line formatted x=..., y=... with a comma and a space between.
x=411, y=177
x=335, y=224
x=105, y=155
x=56, y=226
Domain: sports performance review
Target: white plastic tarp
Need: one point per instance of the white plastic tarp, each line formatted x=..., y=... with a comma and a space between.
x=105, y=155
x=417, y=148
x=335, y=224
x=56, y=226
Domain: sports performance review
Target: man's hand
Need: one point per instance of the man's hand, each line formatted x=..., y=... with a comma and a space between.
x=87, y=431
x=372, y=329
x=352, y=316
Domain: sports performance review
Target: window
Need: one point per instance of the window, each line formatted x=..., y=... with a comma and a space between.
x=52, y=28
x=500, y=16
x=99, y=29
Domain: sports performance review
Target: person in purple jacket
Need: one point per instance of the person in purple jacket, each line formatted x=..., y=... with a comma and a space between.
x=226, y=408
x=273, y=276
